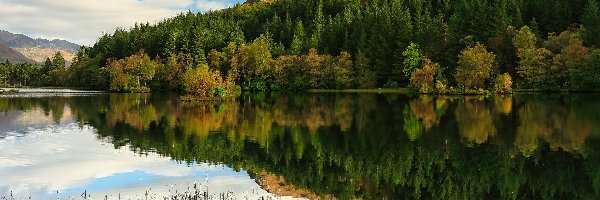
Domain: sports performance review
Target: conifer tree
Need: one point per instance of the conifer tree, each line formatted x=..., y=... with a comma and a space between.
x=591, y=23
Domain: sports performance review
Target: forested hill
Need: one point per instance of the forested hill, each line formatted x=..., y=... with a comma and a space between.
x=429, y=44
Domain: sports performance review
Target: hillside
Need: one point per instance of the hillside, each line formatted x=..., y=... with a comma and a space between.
x=38, y=49
x=462, y=46
x=12, y=55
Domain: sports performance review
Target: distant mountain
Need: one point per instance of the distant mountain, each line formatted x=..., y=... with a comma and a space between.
x=38, y=49
x=12, y=55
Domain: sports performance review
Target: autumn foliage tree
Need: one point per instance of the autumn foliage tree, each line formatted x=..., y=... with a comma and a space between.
x=475, y=67
x=569, y=55
x=202, y=83
x=131, y=74
x=342, y=70
x=503, y=84
x=423, y=78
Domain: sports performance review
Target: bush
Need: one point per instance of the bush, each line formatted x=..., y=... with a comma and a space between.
x=441, y=87
x=289, y=74
x=203, y=84
x=422, y=79
x=503, y=84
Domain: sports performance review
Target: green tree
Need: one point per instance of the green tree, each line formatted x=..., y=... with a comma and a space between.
x=147, y=70
x=534, y=63
x=55, y=76
x=315, y=39
x=4, y=73
x=297, y=45
x=176, y=71
x=253, y=64
x=591, y=23
x=412, y=59
x=588, y=75
x=365, y=77
x=215, y=59
x=58, y=61
x=131, y=73
x=47, y=66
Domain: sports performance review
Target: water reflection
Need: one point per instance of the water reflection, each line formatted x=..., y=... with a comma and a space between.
x=366, y=145
x=45, y=153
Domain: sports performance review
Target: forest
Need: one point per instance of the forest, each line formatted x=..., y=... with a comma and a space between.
x=432, y=46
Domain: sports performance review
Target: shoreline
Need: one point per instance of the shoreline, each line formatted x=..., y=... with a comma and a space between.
x=404, y=90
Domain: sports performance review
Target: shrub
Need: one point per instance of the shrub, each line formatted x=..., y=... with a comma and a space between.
x=422, y=78
x=289, y=73
x=342, y=70
x=503, y=84
x=441, y=87
x=201, y=83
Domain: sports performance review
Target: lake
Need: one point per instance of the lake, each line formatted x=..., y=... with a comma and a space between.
x=343, y=145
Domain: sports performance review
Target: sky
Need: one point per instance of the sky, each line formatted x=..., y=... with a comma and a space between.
x=83, y=21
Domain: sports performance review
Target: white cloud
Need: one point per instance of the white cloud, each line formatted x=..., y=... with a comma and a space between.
x=68, y=158
x=83, y=21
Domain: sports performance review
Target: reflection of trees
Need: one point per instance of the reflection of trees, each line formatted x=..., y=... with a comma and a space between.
x=503, y=104
x=133, y=109
x=475, y=121
x=353, y=146
x=421, y=113
x=592, y=163
x=563, y=127
x=51, y=106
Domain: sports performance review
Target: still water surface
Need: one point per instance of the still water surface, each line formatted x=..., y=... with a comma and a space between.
x=342, y=145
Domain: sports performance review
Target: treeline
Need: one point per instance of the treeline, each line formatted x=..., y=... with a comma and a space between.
x=434, y=45
x=51, y=73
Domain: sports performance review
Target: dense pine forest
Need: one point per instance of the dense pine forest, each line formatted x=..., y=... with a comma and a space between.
x=433, y=46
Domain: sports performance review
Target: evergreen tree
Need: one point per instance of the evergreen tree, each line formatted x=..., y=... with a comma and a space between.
x=58, y=62
x=591, y=24
x=297, y=45
x=46, y=67
x=315, y=39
